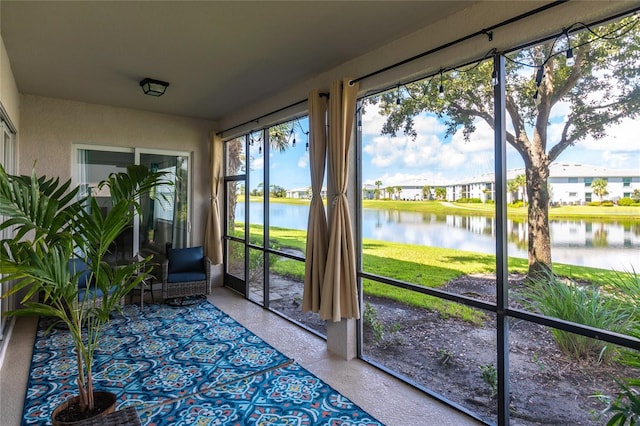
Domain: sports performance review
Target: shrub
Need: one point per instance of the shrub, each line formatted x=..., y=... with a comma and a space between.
x=489, y=375
x=593, y=203
x=607, y=203
x=585, y=305
x=518, y=203
x=625, y=201
x=370, y=318
x=625, y=406
x=256, y=257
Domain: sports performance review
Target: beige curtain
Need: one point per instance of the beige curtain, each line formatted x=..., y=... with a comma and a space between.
x=339, y=297
x=317, y=235
x=212, y=234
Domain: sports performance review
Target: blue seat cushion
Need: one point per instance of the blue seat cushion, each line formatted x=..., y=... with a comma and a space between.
x=81, y=269
x=186, y=260
x=180, y=277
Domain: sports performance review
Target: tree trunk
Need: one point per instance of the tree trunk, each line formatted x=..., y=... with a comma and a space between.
x=538, y=211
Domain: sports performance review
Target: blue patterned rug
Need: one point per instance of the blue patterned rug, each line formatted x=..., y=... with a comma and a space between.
x=191, y=365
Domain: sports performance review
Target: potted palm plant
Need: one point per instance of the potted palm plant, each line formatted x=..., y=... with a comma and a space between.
x=55, y=229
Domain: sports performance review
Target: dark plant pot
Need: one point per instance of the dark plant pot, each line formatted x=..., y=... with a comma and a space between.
x=68, y=413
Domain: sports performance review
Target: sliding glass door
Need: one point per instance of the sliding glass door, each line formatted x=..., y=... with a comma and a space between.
x=165, y=220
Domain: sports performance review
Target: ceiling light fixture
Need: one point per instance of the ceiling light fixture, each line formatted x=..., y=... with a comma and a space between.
x=153, y=87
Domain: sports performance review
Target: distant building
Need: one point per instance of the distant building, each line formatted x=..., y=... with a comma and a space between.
x=304, y=193
x=570, y=183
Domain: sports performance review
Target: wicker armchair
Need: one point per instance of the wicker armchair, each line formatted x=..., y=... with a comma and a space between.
x=186, y=272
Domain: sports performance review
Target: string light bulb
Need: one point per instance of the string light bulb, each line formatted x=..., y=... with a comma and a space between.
x=398, y=96
x=539, y=75
x=441, y=88
x=291, y=133
x=569, y=53
x=570, y=59
x=494, y=78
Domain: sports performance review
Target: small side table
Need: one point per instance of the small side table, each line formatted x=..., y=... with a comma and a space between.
x=143, y=287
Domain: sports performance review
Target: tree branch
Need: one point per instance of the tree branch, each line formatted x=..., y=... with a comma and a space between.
x=519, y=140
x=574, y=77
x=488, y=118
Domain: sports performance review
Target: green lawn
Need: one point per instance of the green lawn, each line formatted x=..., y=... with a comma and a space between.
x=421, y=265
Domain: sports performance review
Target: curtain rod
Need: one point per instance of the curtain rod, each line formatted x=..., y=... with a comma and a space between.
x=322, y=95
x=486, y=31
x=262, y=116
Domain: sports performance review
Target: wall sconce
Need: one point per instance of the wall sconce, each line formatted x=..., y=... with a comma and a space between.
x=153, y=87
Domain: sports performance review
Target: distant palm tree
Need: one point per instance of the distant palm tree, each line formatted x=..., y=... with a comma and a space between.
x=390, y=190
x=378, y=184
x=512, y=188
x=599, y=187
x=521, y=181
x=281, y=136
x=426, y=192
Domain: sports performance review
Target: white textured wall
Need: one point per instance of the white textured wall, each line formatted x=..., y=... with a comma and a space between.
x=9, y=97
x=50, y=126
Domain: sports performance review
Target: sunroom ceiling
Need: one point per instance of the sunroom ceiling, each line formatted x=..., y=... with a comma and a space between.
x=218, y=56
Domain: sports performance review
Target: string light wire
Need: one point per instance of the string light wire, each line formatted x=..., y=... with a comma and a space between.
x=613, y=34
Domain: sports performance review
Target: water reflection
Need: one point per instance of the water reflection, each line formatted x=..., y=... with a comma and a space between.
x=608, y=245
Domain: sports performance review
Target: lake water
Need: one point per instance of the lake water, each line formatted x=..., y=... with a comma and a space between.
x=610, y=245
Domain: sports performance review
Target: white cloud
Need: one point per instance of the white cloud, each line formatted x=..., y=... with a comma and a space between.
x=479, y=141
x=430, y=151
x=554, y=133
x=257, y=164
x=303, y=161
x=560, y=110
x=372, y=122
x=622, y=137
x=428, y=124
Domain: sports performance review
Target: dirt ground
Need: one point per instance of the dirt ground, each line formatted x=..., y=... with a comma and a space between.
x=448, y=356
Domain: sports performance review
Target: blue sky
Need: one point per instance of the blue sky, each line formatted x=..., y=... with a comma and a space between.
x=433, y=159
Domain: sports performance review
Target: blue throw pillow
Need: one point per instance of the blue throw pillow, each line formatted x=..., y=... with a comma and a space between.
x=185, y=259
x=79, y=268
